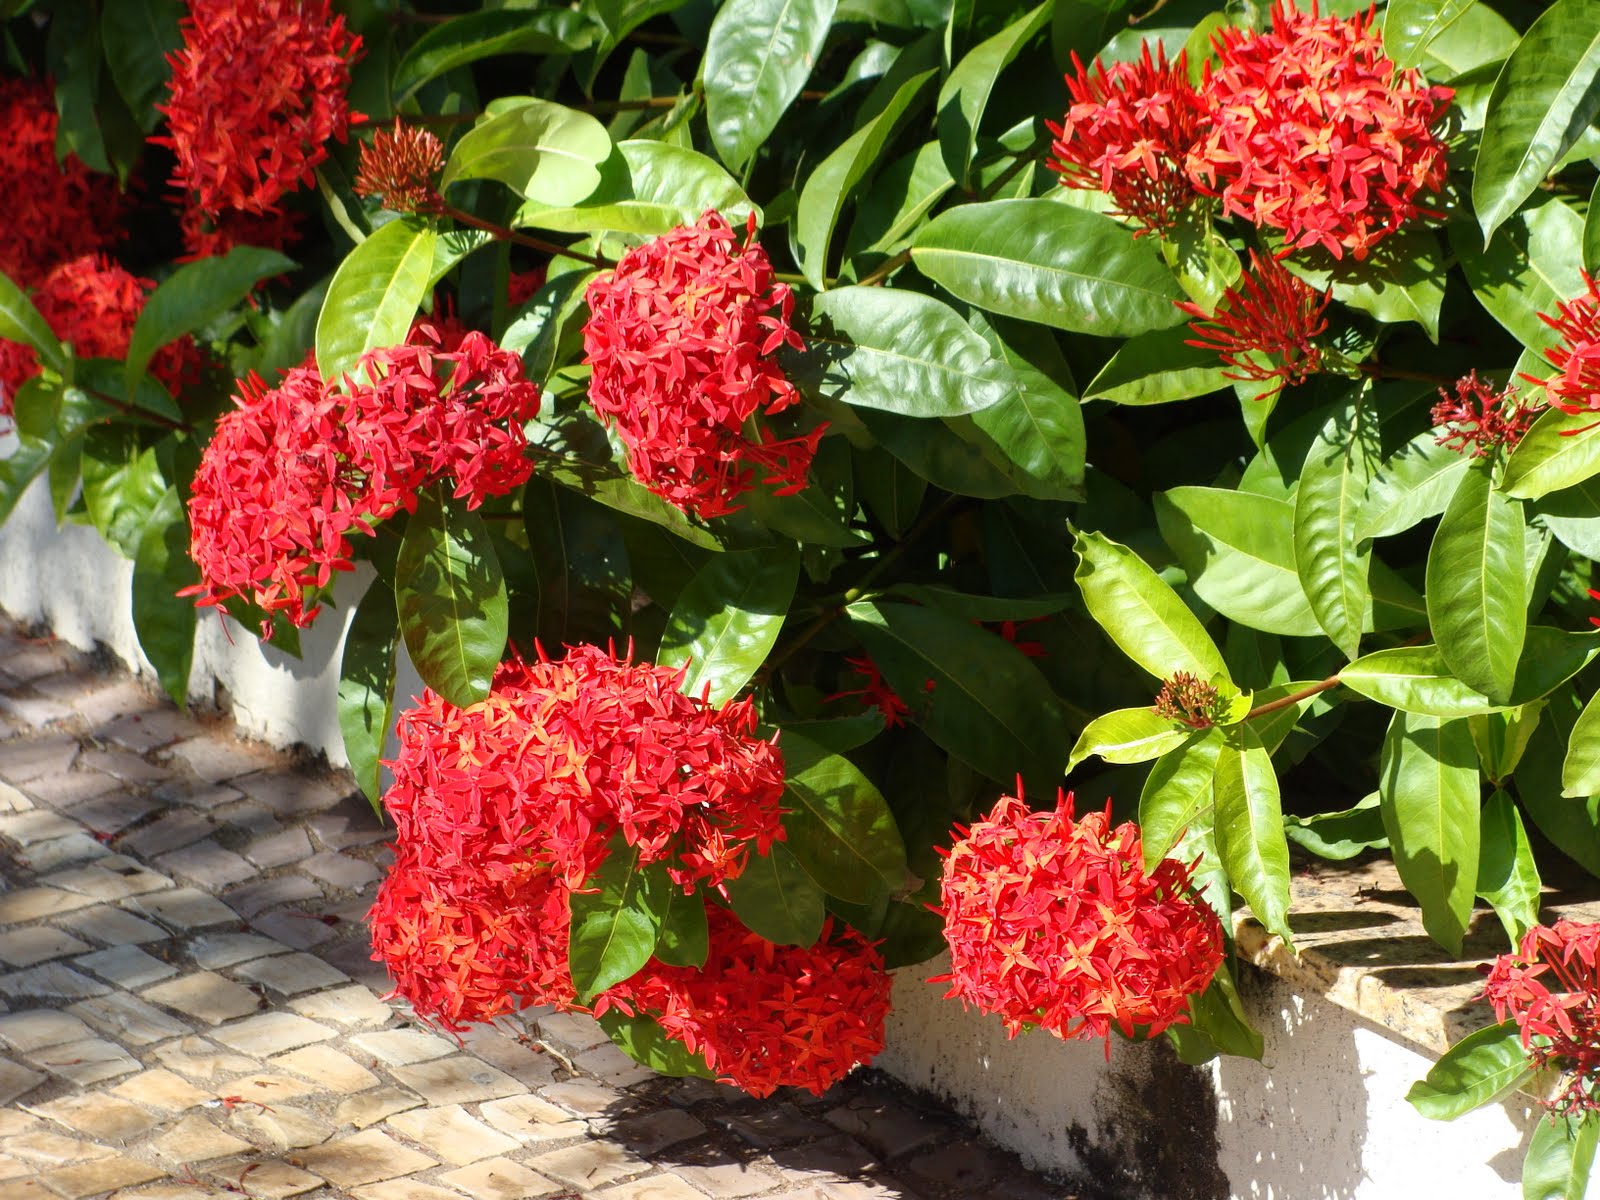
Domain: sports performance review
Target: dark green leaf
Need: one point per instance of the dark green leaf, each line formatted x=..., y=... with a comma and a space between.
x=1340, y=835
x=1039, y=428
x=616, y=919
x=1560, y=1158
x=685, y=938
x=1158, y=368
x=960, y=461
x=137, y=36
x=163, y=621
x=1249, y=828
x=1481, y=1067
x=966, y=90
x=585, y=577
x=20, y=322
x=1508, y=878
x=1573, y=515
x=776, y=899
x=1332, y=565
x=122, y=484
x=758, y=56
x=374, y=295
x=1217, y=1024
x=625, y=495
x=544, y=151
x=892, y=492
x=896, y=202
x=839, y=825
x=366, y=686
x=642, y=1039
x=1533, y=263
x=485, y=34
x=725, y=621
x=984, y=608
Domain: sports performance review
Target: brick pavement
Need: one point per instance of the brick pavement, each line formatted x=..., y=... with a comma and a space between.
x=187, y=1008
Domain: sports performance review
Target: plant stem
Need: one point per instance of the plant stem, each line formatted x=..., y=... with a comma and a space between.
x=1260, y=710
x=511, y=235
x=886, y=269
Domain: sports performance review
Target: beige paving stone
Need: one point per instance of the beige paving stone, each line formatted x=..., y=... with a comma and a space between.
x=657, y=1187
x=328, y=1068
x=590, y=1165
x=108, y=815
x=24, y=947
x=365, y=1157
x=28, y=1189
x=15, y=1169
x=160, y=1088
x=100, y=1116
x=272, y=1179
x=140, y=732
x=185, y=908
x=206, y=864
x=572, y=1033
x=586, y=1098
x=727, y=1181
x=654, y=1132
x=449, y=1133
x=37, y=903
x=302, y=930
x=92, y=1060
x=16, y=1080
x=65, y=851
x=272, y=1033
x=351, y=823
x=214, y=951
x=217, y=755
x=353, y=1005
x=402, y=1047
x=371, y=1107
x=280, y=1127
x=14, y=1121
x=610, y=1065
x=128, y=1019
x=52, y=981
x=502, y=1179
x=205, y=996
x=170, y=1190
x=35, y=825
x=120, y=764
x=404, y=1189
x=290, y=793
x=245, y=818
x=524, y=1063
x=41, y=1027
x=201, y=1060
x=126, y=966
x=23, y=761
x=102, y=1175
x=196, y=1139
x=531, y=1119
x=114, y=877
x=172, y=830
x=280, y=849
x=47, y=1147
x=251, y=899
x=113, y=926
x=457, y=1080
x=290, y=974
x=269, y=1087
x=340, y=870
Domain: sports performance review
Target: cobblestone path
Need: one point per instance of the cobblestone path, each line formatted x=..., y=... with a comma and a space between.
x=187, y=1008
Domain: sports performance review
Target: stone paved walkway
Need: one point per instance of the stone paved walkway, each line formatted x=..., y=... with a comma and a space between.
x=187, y=1008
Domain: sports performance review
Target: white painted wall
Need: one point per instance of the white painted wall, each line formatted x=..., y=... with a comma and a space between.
x=1323, y=1117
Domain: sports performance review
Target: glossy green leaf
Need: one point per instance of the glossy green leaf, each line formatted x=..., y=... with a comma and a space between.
x=642, y=1039
x=647, y=188
x=616, y=919
x=1038, y=429
x=965, y=462
x=1552, y=455
x=1275, y=726
x=1402, y=279
x=1580, y=769
x=1042, y=261
x=685, y=938
x=1477, y=586
x=1571, y=825
x=839, y=826
x=775, y=898
x=163, y=621
x=122, y=484
x=1206, y=266
x=137, y=36
x=1560, y=1158
x=366, y=686
x=1483, y=1066
x=970, y=607
x=544, y=151
x=896, y=201
x=1501, y=738
x=374, y=295
x=625, y=495
x=967, y=88
x=1533, y=263
x=1141, y=613
x=1340, y=835
x=1249, y=828
x=1176, y=793
x=1428, y=787
x=1546, y=95
x=758, y=56
x=1591, y=232
x=585, y=577
x=1415, y=678
x=1413, y=484
x=1573, y=515
x=1128, y=735
x=1478, y=41
x=1158, y=368
x=451, y=598
x=467, y=39
x=1508, y=878
x=1217, y=1024
x=1328, y=554
x=195, y=294
x=20, y=322
x=728, y=617
x=1410, y=26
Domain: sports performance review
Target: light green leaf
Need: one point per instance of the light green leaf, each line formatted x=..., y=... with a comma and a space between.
x=1508, y=878
x=1158, y=368
x=1402, y=279
x=1177, y=792
x=1533, y=263
x=775, y=898
x=366, y=686
x=1414, y=483
x=1217, y=1024
x=20, y=322
x=374, y=295
x=1249, y=828
x=1128, y=735
x=616, y=919
x=642, y=1039
x=1573, y=515
x=901, y=195
x=728, y=617
x=1410, y=26
x=966, y=90
x=122, y=484
x=544, y=151
x=1038, y=429
x=1340, y=835
x=758, y=56
x=647, y=188
x=839, y=826
x=1560, y=1158
x=1552, y=455
x=1332, y=565
x=1580, y=769
x=1481, y=1067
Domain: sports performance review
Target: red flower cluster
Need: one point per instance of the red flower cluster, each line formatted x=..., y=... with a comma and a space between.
x=1575, y=388
x=1480, y=418
x=681, y=337
x=766, y=1016
x=1265, y=326
x=875, y=692
x=1054, y=923
x=294, y=469
x=1190, y=701
x=93, y=303
x=1129, y=133
x=257, y=88
x=521, y=285
x=1560, y=1028
x=402, y=167
x=54, y=211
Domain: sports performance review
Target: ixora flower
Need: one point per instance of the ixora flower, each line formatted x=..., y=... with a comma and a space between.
x=294, y=470
x=93, y=303
x=766, y=1016
x=875, y=692
x=1559, y=1027
x=1190, y=701
x=1312, y=130
x=257, y=90
x=1129, y=132
x=1055, y=923
x=1481, y=418
x=681, y=336
x=402, y=167
x=1265, y=326
x=54, y=211
x=1575, y=388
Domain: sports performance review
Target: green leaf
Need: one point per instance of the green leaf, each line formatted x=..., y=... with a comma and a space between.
x=837, y=177
x=1591, y=232
x=1402, y=279
x=966, y=90
x=366, y=686
x=988, y=704
x=1477, y=585
x=485, y=34
x=1480, y=38
x=137, y=36
x=1205, y=264
x=1238, y=551
x=963, y=461
x=647, y=188
x=1534, y=262
x=1218, y=1022
x=1483, y=1066
x=725, y=621
x=1573, y=515
x=616, y=919
x=122, y=484
x=891, y=349
x=1332, y=566
x=374, y=295
x=1416, y=679
x=901, y=195
x=1414, y=483
x=20, y=322
x=758, y=56
x=1560, y=1158
x=1543, y=101
x=1158, y=368
x=1039, y=427
x=1501, y=738
x=451, y=598
x=642, y=1039
x=195, y=294
x=1428, y=787
x=1571, y=825
x=1410, y=26
x=1128, y=735
x=1552, y=455
x=971, y=607
x=1249, y=828
x=1038, y=260
x=20, y=469
x=163, y=621
x=1142, y=614
x=1580, y=769
x=685, y=937
x=839, y=826
x=776, y=899
x=541, y=150
x=1177, y=792
x=625, y=495
x=1275, y=726
x=1508, y=878
x=1340, y=835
